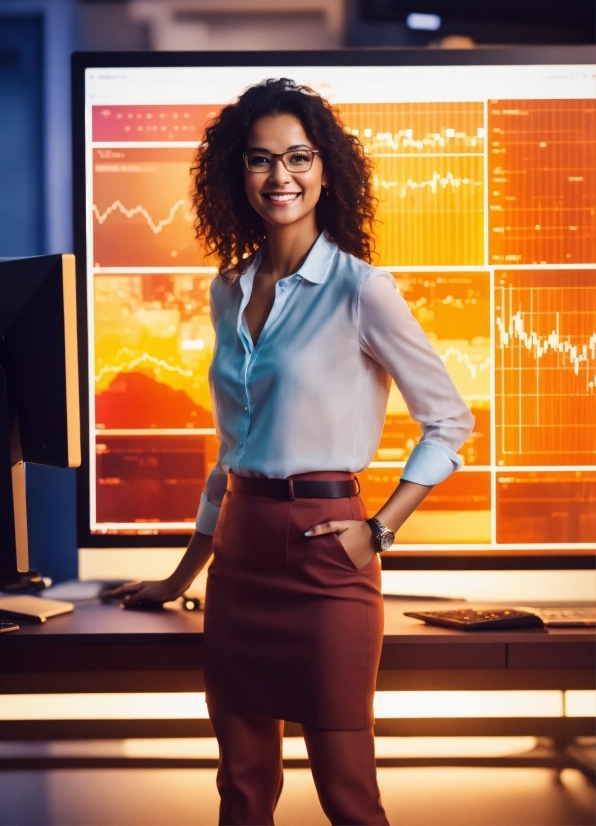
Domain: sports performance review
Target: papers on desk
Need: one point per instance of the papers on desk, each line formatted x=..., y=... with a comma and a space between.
x=33, y=608
x=76, y=591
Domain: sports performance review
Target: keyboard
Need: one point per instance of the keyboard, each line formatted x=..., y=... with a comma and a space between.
x=566, y=616
x=470, y=619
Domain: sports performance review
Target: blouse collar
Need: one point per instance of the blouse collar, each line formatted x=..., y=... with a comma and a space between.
x=315, y=267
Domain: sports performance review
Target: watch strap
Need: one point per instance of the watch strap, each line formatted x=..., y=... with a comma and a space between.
x=380, y=531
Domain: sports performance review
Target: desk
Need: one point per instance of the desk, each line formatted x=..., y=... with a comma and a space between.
x=101, y=648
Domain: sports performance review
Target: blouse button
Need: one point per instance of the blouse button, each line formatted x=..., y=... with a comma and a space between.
x=245, y=409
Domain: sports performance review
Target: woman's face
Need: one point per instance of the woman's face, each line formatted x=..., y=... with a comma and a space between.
x=281, y=197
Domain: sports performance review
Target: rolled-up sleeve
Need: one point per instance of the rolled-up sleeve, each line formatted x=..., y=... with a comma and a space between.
x=212, y=496
x=391, y=336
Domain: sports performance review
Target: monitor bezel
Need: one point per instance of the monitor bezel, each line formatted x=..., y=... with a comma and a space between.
x=457, y=558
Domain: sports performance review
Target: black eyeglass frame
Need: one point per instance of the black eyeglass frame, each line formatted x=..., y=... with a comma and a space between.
x=281, y=155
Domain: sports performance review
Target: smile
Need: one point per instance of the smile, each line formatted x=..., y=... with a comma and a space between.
x=282, y=199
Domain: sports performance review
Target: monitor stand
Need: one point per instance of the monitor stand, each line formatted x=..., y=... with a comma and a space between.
x=30, y=580
x=15, y=574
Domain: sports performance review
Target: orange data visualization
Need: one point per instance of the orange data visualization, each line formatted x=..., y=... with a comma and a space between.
x=486, y=220
x=429, y=179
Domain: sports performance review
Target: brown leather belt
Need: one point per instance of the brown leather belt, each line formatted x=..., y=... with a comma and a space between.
x=291, y=489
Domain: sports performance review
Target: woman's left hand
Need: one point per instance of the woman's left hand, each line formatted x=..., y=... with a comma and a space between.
x=356, y=538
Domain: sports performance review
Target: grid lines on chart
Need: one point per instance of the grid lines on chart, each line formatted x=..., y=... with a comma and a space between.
x=545, y=345
x=429, y=179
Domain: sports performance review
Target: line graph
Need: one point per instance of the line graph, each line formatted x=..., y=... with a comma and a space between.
x=429, y=179
x=545, y=336
x=542, y=173
x=462, y=357
x=153, y=346
x=576, y=356
x=144, y=360
x=436, y=181
x=141, y=212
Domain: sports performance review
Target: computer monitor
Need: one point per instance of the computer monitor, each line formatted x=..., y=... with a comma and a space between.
x=39, y=392
x=485, y=164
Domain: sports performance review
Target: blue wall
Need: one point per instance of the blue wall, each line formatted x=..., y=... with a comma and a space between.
x=21, y=127
x=35, y=215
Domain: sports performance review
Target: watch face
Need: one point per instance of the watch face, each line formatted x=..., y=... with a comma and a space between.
x=387, y=538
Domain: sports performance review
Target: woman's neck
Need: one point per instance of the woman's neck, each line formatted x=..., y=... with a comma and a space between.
x=288, y=248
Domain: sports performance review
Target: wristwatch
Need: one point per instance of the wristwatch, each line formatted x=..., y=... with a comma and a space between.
x=383, y=536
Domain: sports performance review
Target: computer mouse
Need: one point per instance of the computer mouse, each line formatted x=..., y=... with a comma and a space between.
x=146, y=605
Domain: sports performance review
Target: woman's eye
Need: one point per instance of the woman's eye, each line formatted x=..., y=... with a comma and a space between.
x=299, y=157
x=259, y=160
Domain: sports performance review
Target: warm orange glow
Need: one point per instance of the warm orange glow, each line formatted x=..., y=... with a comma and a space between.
x=294, y=747
x=541, y=165
x=580, y=703
x=453, y=240
x=468, y=704
x=388, y=704
x=429, y=179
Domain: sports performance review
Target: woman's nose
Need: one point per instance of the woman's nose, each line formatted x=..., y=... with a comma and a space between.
x=278, y=174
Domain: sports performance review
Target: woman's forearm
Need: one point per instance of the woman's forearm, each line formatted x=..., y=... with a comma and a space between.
x=402, y=503
x=195, y=558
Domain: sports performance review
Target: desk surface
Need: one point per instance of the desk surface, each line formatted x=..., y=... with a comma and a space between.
x=96, y=623
x=103, y=648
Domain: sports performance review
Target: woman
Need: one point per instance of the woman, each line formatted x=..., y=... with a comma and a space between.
x=308, y=336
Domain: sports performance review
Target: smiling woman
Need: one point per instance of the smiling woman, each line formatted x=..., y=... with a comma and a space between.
x=308, y=335
x=230, y=223
x=284, y=186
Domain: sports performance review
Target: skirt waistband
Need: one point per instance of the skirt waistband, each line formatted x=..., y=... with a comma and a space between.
x=290, y=489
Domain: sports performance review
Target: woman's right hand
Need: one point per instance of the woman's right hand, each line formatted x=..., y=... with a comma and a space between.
x=136, y=593
x=195, y=557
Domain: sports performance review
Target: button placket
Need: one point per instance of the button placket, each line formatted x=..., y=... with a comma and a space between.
x=282, y=292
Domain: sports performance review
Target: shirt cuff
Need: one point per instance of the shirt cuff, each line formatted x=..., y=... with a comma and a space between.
x=207, y=516
x=430, y=463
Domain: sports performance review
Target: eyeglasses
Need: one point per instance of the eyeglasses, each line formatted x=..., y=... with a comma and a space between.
x=296, y=160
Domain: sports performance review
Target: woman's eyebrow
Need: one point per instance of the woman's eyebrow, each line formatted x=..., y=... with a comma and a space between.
x=289, y=149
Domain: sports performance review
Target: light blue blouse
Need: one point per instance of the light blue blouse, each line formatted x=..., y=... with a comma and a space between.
x=312, y=394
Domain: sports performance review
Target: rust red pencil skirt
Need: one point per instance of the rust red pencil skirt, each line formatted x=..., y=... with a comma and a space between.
x=293, y=630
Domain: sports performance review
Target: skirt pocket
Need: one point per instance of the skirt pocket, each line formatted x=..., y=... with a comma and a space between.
x=342, y=551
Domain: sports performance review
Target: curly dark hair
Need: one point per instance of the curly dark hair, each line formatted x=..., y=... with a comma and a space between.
x=228, y=225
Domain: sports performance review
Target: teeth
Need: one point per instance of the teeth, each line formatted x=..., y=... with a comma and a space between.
x=289, y=197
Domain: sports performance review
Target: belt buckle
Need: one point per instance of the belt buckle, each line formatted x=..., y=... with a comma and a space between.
x=291, y=494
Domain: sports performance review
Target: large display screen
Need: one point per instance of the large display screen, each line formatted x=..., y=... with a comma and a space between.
x=485, y=177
